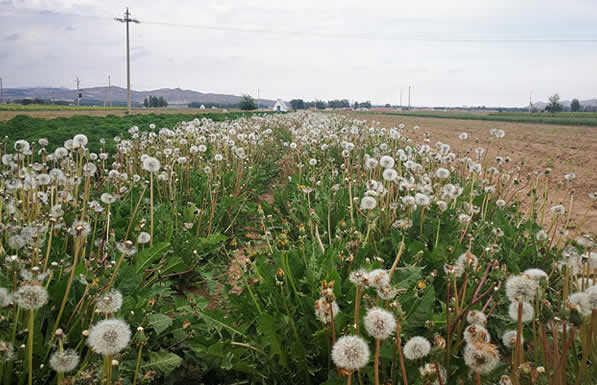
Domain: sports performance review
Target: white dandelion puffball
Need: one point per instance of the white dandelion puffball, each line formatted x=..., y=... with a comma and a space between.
x=31, y=297
x=416, y=347
x=386, y=161
x=476, y=317
x=521, y=288
x=359, y=277
x=109, y=336
x=322, y=310
x=580, y=301
x=474, y=333
x=350, y=353
x=79, y=140
x=509, y=338
x=7, y=351
x=591, y=292
x=5, y=297
x=378, y=278
x=143, y=237
x=64, y=362
x=379, y=323
x=389, y=174
x=109, y=302
x=442, y=173
x=536, y=274
x=368, y=203
x=151, y=164
x=527, y=311
x=481, y=357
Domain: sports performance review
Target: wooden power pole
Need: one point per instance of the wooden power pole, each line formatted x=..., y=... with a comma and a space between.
x=127, y=19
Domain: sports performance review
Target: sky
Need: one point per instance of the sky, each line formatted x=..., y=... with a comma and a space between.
x=451, y=53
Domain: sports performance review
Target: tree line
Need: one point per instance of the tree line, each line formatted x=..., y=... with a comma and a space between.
x=154, y=101
x=300, y=104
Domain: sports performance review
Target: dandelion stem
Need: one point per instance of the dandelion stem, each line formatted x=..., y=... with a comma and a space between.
x=376, y=367
x=138, y=364
x=31, y=331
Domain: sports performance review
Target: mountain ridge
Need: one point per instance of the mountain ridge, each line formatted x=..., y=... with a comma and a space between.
x=175, y=96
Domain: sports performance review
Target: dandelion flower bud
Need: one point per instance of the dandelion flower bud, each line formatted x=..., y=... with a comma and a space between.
x=476, y=317
x=521, y=288
x=527, y=311
x=64, y=362
x=481, y=357
x=115, y=363
x=416, y=347
x=109, y=336
x=31, y=297
x=109, y=302
x=350, y=353
x=379, y=323
x=509, y=338
x=505, y=380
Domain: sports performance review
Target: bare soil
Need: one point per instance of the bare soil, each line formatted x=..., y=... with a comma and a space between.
x=533, y=147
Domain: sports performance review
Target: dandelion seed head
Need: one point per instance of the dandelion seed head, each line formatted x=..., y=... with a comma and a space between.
x=7, y=351
x=350, y=353
x=581, y=302
x=474, y=333
x=31, y=297
x=379, y=323
x=481, y=357
x=378, y=278
x=521, y=288
x=476, y=317
x=109, y=336
x=416, y=347
x=65, y=361
x=527, y=313
x=109, y=302
x=322, y=310
x=509, y=338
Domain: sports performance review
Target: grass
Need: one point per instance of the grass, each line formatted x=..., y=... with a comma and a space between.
x=60, y=129
x=561, y=118
x=50, y=107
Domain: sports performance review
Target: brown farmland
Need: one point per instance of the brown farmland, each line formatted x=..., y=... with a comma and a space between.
x=534, y=147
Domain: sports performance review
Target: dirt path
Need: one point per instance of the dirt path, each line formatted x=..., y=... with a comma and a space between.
x=534, y=147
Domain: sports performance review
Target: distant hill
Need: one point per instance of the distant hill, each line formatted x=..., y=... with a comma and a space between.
x=175, y=96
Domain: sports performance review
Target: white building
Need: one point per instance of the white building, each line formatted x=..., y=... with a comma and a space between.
x=280, y=106
x=202, y=107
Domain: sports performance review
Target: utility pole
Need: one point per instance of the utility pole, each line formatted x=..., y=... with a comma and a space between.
x=109, y=91
x=409, y=98
x=78, y=93
x=1, y=92
x=530, y=101
x=258, y=94
x=401, y=99
x=127, y=19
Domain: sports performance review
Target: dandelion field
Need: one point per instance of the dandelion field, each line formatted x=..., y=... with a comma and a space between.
x=301, y=248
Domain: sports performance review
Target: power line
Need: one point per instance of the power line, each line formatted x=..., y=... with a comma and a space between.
x=343, y=36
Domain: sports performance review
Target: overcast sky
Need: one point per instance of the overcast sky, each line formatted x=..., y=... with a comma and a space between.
x=451, y=52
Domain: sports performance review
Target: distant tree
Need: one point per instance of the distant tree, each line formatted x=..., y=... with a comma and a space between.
x=366, y=104
x=247, y=103
x=388, y=105
x=145, y=102
x=554, y=104
x=320, y=104
x=356, y=105
x=297, y=104
x=575, y=105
